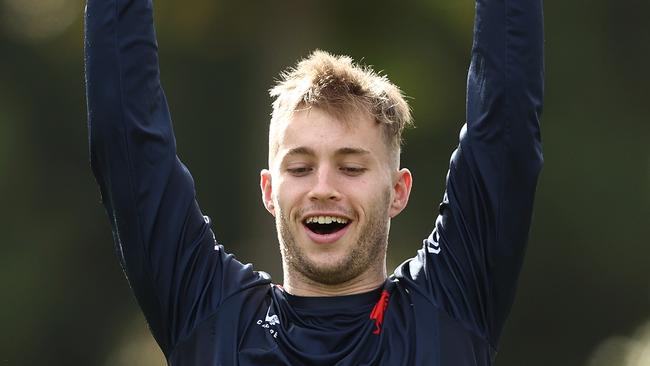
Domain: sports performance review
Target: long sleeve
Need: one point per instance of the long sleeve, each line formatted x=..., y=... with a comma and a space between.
x=469, y=264
x=166, y=247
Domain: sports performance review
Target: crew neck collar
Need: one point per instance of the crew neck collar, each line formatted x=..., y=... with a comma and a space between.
x=334, y=302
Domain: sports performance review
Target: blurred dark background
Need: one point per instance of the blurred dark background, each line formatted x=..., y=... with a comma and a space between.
x=584, y=296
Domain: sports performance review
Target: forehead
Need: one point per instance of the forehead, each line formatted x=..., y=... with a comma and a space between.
x=323, y=133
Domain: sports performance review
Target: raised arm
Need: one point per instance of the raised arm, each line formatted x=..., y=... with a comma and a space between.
x=164, y=243
x=470, y=263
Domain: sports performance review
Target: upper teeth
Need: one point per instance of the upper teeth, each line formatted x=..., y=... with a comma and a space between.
x=326, y=220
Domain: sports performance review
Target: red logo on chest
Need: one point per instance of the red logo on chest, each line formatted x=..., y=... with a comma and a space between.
x=377, y=313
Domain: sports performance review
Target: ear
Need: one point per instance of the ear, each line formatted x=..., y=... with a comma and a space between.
x=401, y=191
x=267, y=191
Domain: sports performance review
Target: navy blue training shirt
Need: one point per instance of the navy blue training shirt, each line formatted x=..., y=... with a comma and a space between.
x=445, y=306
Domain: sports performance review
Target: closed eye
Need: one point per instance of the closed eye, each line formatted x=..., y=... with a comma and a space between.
x=353, y=171
x=299, y=171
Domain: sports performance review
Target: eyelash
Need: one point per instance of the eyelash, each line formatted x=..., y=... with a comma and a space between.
x=299, y=171
x=353, y=170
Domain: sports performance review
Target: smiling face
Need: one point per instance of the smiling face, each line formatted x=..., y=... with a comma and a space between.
x=333, y=187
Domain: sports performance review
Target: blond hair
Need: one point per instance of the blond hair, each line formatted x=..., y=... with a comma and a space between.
x=339, y=86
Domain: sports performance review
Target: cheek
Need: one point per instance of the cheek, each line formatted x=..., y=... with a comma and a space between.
x=368, y=195
x=287, y=192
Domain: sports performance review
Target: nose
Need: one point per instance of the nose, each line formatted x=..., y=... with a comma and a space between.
x=325, y=186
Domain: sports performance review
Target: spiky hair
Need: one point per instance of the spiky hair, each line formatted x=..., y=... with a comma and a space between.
x=338, y=85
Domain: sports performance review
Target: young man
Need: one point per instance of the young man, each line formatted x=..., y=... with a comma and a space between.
x=333, y=185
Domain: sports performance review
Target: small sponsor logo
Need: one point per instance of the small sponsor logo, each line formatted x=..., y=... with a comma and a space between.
x=270, y=321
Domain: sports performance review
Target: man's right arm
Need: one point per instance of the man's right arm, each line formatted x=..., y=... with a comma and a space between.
x=164, y=243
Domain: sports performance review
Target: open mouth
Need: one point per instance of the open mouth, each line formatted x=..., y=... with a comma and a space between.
x=326, y=225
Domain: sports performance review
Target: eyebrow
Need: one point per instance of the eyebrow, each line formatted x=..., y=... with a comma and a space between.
x=352, y=151
x=303, y=150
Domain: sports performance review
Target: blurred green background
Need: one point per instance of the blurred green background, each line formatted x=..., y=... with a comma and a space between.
x=584, y=296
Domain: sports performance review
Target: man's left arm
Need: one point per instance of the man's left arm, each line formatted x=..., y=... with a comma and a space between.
x=469, y=264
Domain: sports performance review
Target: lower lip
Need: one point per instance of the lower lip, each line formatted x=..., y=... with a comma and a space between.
x=326, y=238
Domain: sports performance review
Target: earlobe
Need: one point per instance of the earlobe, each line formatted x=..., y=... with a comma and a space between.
x=267, y=191
x=401, y=191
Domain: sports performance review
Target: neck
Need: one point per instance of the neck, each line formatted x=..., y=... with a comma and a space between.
x=297, y=284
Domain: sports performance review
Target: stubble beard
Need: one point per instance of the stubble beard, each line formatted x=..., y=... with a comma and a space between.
x=370, y=249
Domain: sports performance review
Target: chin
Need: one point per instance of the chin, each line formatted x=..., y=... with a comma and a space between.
x=308, y=252
x=332, y=268
x=330, y=262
